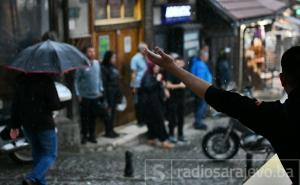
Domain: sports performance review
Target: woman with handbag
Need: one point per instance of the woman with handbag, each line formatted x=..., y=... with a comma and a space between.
x=112, y=90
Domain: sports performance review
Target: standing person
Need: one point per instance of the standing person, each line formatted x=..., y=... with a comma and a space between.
x=265, y=118
x=138, y=66
x=175, y=104
x=112, y=90
x=34, y=100
x=223, y=69
x=89, y=90
x=153, y=95
x=201, y=70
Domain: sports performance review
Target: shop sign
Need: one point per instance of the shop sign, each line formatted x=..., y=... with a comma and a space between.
x=172, y=14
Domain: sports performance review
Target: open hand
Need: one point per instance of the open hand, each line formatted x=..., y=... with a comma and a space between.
x=159, y=57
x=14, y=133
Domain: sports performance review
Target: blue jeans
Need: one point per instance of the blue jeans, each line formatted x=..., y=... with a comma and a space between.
x=200, y=110
x=44, y=153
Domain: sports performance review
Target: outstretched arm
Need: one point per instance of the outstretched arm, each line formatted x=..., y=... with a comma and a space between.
x=198, y=86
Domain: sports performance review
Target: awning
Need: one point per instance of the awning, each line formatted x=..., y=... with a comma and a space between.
x=248, y=9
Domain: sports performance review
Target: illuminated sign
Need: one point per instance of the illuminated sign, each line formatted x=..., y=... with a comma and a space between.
x=172, y=14
x=178, y=11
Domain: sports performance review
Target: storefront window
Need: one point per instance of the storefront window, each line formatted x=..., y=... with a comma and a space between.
x=78, y=18
x=129, y=8
x=100, y=9
x=115, y=8
x=116, y=11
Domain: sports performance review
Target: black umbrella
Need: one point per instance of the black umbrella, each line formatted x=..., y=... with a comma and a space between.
x=49, y=57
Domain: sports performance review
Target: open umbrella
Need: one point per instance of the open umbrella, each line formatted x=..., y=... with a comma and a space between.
x=49, y=57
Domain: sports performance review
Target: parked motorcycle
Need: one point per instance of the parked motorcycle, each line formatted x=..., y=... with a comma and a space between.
x=224, y=142
x=18, y=150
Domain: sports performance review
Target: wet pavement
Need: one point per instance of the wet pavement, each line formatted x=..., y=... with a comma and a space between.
x=185, y=164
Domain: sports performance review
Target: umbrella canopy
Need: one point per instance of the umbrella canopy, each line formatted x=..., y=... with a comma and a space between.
x=49, y=57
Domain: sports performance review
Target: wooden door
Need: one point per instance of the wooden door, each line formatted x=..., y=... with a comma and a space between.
x=127, y=40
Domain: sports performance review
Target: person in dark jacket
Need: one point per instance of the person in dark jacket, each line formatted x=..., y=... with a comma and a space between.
x=276, y=121
x=223, y=69
x=34, y=100
x=153, y=96
x=175, y=104
x=112, y=90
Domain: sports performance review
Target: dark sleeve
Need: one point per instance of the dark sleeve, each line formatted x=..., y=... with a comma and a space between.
x=15, y=121
x=249, y=112
x=52, y=99
x=105, y=77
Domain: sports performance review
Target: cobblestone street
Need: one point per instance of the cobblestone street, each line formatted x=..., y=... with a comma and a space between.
x=107, y=167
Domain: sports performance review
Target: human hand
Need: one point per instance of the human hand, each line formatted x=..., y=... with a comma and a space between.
x=159, y=77
x=182, y=85
x=159, y=57
x=14, y=133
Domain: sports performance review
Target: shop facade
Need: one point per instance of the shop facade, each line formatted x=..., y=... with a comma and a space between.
x=175, y=28
x=248, y=30
x=176, y=31
x=116, y=25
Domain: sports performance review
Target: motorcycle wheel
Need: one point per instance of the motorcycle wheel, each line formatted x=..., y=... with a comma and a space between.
x=23, y=156
x=214, y=146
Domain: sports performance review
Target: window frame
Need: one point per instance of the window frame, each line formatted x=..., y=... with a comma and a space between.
x=122, y=20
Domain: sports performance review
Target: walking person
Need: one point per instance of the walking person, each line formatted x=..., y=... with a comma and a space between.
x=138, y=67
x=265, y=118
x=223, y=69
x=112, y=90
x=153, y=95
x=36, y=97
x=201, y=70
x=89, y=91
x=34, y=100
x=175, y=104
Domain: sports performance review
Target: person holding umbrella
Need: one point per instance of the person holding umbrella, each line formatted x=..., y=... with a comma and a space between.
x=36, y=97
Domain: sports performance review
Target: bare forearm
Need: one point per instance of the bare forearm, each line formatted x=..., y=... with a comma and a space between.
x=170, y=85
x=198, y=86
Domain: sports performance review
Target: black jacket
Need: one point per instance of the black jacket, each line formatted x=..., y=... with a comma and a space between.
x=34, y=100
x=111, y=84
x=277, y=122
x=151, y=90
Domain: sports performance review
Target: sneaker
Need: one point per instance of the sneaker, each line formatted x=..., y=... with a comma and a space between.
x=182, y=139
x=28, y=182
x=93, y=140
x=115, y=133
x=84, y=141
x=201, y=127
x=172, y=139
x=141, y=124
x=111, y=135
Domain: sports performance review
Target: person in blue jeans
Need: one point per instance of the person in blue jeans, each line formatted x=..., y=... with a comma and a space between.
x=34, y=100
x=44, y=153
x=200, y=69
